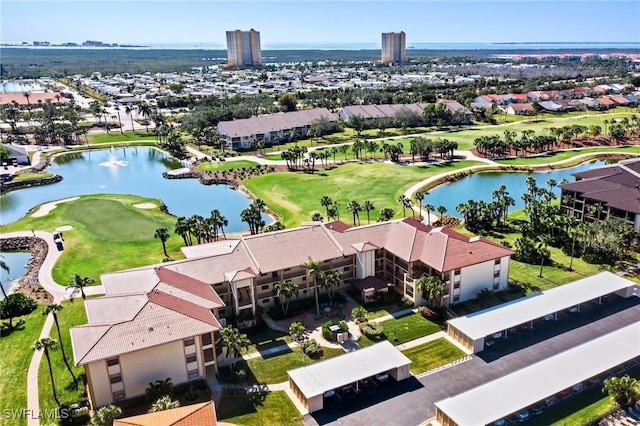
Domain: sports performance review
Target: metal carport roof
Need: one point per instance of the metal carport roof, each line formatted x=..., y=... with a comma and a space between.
x=516, y=391
x=343, y=370
x=505, y=316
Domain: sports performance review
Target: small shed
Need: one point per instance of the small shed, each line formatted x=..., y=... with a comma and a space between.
x=310, y=383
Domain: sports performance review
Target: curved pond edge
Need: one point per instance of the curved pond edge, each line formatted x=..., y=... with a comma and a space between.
x=449, y=177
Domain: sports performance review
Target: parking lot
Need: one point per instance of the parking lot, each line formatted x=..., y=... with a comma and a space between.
x=411, y=402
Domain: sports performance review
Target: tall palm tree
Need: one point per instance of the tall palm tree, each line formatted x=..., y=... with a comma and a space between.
x=442, y=210
x=542, y=250
x=78, y=284
x=163, y=235
x=145, y=111
x=313, y=271
x=53, y=309
x=46, y=344
x=367, y=206
x=326, y=202
x=285, y=290
x=405, y=202
x=129, y=111
x=354, y=207
x=330, y=281
x=219, y=222
x=235, y=342
x=117, y=108
x=420, y=197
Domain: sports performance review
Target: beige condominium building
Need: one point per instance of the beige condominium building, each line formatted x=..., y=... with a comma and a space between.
x=393, y=47
x=243, y=48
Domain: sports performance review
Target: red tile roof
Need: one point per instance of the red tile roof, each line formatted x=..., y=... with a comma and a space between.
x=188, y=284
x=202, y=414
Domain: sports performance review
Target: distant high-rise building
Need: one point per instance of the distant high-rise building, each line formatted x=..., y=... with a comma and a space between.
x=393, y=47
x=243, y=48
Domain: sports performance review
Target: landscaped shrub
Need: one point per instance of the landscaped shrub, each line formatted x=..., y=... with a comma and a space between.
x=311, y=348
x=359, y=314
x=331, y=335
x=372, y=330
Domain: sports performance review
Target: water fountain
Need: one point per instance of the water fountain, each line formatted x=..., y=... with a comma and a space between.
x=113, y=160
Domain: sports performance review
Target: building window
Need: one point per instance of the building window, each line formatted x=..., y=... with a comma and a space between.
x=189, y=342
x=496, y=286
x=287, y=269
x=222, y=311
x=115, y=378
x=118, y=396
x=497, y=262
x=267, y=300
x=304, y=279
x=274, y=274
x=496, y=274
x=111, y=362
x=191, y=358
x=265, y=287
x=456, y=298
x=206, y=339
x=193, y=374
x=456, y=285
x=346, y=269
x=456, y=272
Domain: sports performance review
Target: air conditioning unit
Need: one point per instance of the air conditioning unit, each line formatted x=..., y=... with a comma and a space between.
x=223, y=322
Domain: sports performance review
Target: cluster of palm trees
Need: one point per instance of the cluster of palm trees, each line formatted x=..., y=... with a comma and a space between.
x=329, y=280
x=481, y=215
x=354, y=207
x=204, y=230
x=235, y=342
x=252, y=215
x=430, y=286
x=423, y=147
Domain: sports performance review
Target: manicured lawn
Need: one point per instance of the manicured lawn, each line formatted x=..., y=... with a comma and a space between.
x=270, y=409
x=433, y=354
x=404, y=329
x=28, y=176
x=108, y=234
x=214, y=166
x=267, y=339
x=115, y=136
x=274, y=369
x=373, y=313
x=14, y=362
x=274, y=157
x=296, y=196
x=72, y=314
x=564, y=155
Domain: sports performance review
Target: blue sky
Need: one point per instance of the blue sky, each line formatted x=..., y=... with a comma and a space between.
x=329, y=21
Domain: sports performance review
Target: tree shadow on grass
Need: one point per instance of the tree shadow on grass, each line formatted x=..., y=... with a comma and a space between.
x=6, y=331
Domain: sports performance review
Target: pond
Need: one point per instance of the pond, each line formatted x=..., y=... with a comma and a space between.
x=479, y=186
x=131, y=170
x=17, y=262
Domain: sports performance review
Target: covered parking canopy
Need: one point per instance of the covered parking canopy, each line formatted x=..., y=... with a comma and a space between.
x=310, y=383
x=471, y=330
x=517, y=391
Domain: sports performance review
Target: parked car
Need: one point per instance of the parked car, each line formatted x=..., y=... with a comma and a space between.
x=552, y=400
x=573, y=309
x=497, y=335
x=578, y=387
x=382, y=377
x=565, y=393
x=548, y=317
x=329, y=393
x=594, y=381
x=490, y=343
x=537, y=410
x=522, y=416
x=500, y=422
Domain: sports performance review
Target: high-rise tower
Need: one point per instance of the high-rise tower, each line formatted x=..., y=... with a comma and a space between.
x=243, y=48
x=393, y=47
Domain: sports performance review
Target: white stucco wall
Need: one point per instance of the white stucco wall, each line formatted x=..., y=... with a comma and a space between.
x=365, y=264
x=100, y=383
x=476, y=277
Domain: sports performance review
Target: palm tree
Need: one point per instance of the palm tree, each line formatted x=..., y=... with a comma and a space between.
x=78, y=284
x=128, y=111
x=164, y=403
x=313, y=271
x=330, y=281
x=27, y=95
x=430, y=286
x=163, y=235
x=297, y=331
x=429, y=208
x=420, y=196
x=159, y=388
x=105, y=416
x=354, y=207
x=145, y=111
x=219, y=222
x=53, y=309
x=46, y=344
x=317, y=217
x=285, y=290
x=367, y=206
x=442, y=210
x=542, y=250
x=405, y=202
x=326, y=202
x=117, y=108
x=235, y=342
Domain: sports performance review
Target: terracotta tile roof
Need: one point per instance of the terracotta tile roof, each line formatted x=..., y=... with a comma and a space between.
x=162, y=319
x=189, y=285
x=202, y=414
x=366, y=246
x=240, y=275
x=605, y=101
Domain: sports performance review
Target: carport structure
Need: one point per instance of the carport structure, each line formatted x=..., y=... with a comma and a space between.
x=519, y=390
x=310, y=383
x=471, y=330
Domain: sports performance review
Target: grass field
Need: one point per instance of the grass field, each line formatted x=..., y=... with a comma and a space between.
x=433, y=354
x=214, y=166
x=273, y=369
x=29, y=176
x=271, y=409
x=16, y=356
x=116, y=137
x=72, y=314
x=267, y=339
x=296, y=196
x=564, y=155
x=404, y=329
x=108, y=234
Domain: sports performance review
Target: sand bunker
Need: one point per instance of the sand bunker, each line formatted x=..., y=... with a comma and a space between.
x=145, y=206
x=46, y=208
x=64, y=228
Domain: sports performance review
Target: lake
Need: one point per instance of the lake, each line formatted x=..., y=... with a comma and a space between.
x=479, y=186
x=17, y=262
x=139, y=172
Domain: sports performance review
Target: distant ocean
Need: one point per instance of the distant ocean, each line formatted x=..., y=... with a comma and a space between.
x=365, y=46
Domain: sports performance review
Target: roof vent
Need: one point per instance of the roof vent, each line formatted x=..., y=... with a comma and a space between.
x=150, y=328
x=470, y=252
